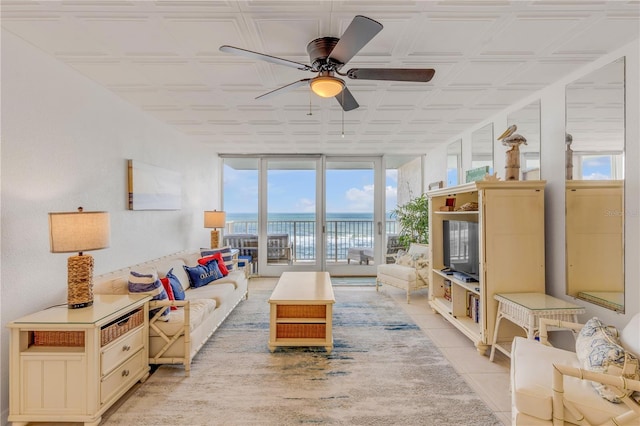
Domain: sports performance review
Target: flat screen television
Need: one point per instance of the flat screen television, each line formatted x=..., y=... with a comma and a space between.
x=460, y=247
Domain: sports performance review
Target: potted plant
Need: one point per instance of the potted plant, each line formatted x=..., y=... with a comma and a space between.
x=413, y=219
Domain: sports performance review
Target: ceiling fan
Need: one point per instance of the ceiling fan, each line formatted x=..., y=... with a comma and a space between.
x=328, y=55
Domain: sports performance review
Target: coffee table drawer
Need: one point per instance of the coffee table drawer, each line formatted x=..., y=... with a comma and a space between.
x=298, y=331
x=302, y=311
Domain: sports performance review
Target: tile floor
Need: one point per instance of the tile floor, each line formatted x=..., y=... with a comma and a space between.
x=489, y=379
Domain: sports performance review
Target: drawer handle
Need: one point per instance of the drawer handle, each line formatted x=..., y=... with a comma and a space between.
x=126, y=348
x=125, y=373
x=123, y=322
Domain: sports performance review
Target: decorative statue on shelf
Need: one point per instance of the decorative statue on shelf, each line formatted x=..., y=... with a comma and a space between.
x=568, y=140
x=513, y=140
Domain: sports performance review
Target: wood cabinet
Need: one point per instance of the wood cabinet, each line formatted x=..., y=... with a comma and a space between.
x=510, y=219
x=71, y=365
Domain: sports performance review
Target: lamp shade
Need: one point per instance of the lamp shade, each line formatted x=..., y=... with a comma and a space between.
x=78, y=231
x=214, y=219
x=327, y=86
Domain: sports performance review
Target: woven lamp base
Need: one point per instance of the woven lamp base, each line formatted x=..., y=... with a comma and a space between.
x=215, y=238
x=80, y=281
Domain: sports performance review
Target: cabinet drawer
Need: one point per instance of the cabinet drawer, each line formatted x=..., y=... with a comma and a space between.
x=120, y=349
x=121, y=377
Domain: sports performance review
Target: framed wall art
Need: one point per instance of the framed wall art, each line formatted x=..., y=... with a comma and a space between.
x=153, y=188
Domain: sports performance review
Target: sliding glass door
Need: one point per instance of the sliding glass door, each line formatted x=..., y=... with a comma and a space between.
x=307, y=212
x=353, y=215
x=289, y=235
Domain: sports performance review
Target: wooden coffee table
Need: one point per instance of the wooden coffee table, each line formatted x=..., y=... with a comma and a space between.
x=301, y=310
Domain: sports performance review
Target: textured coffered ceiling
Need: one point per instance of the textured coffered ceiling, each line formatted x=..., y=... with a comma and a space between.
x=163, y=57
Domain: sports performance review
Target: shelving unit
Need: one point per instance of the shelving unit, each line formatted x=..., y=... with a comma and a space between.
x=510, y=219
x=71, y=365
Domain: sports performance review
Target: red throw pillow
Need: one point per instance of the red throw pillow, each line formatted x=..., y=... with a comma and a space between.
x=169, y=290
x=218, y=256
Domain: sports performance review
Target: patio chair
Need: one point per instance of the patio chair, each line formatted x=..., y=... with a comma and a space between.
x=393, y=246
x=279, y=249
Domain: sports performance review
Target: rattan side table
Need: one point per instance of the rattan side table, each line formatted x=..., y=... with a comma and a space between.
x=524, y=310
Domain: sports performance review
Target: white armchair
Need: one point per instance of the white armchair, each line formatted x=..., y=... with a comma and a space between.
x=410, y=272
x=549, y=386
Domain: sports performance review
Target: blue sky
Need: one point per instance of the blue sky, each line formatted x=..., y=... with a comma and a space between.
x=596, y=167
x=348, y=191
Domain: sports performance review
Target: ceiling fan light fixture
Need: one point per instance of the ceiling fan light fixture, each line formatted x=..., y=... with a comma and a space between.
x=327, y=86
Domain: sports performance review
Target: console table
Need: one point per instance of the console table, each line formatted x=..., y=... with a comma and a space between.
x=302, y=310
x=524, y=310
x=71, y=365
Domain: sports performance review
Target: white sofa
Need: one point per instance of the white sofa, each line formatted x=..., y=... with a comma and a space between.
x=550, y=386
x=179, y=339
x=410, y=272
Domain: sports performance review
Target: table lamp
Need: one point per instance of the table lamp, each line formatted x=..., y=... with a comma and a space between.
x=216, y=220
x=79, y=232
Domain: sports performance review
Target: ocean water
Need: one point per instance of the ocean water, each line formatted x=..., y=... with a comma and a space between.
x=246, y=217
x=344, y=230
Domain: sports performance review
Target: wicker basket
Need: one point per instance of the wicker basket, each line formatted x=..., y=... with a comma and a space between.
x=302, y=311
x=58, y=338
x=301, y=331
x=117, y=328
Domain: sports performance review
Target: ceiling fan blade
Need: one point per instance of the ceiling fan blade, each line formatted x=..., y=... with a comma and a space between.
x=286, y=88
x=395, y=74
x=263, y=57
x=359, y=32
x=346, y=100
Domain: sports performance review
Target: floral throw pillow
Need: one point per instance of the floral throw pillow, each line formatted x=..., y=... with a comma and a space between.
x=405, y=259
x=422, y=268
x=599, y=350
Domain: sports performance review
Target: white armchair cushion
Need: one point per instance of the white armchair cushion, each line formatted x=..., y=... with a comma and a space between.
x=531, y=378
x=401, y=272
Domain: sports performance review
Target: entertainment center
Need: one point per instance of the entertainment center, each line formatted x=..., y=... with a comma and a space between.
x=501, y=245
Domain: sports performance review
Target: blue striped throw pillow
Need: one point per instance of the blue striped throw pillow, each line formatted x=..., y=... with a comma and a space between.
x=227, y=257
x=148, y=282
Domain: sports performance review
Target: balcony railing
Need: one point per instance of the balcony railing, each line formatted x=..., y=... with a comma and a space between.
x=340, y=235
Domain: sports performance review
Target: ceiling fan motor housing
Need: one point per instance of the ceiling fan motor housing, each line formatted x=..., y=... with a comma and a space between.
x=319, y=50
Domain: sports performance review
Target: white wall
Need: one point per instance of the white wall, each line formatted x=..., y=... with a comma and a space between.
x=409, y=181
x=553, y=171
x=65, y=143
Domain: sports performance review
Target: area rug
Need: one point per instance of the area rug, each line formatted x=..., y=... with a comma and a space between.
x=359, y=281
x=383, y=370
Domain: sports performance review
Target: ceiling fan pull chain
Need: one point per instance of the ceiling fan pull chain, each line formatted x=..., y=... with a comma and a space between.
x=342, y=114
x=309, y=104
